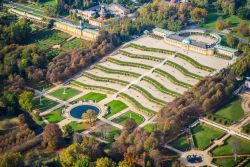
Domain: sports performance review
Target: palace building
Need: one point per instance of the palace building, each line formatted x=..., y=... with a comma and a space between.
x=77, y=30
x=199, y=41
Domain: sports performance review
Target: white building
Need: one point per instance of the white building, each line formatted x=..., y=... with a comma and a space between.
x=118, y=9
x=84, y=14
x=162, y=32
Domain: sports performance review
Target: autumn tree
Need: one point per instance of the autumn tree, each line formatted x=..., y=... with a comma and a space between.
x=90, y=116
x=243, y=29
x=232, y=41
x=67, y=130
x=70, y=155
x=130, y=125
x=83, y=162
x=11, y=160
x=105, y=162
x=26, y=100
x=221, y=24
x=52, y=136
x=198, y=14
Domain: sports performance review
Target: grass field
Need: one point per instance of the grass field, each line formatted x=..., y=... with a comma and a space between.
x=69, y=92
x=55, y=116
x=122, y=119
x=213, y=16
x=115, y=106
x=232, y=111
x=225, y=162
x=46, y=104
x=181, y=143
x=92, y=96
x=77, y=127
x=226, y=149
x=106, y=132
x=203, y=135
x=76, y=44
x=149, y=127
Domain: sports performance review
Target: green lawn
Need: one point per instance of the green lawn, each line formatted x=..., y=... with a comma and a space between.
x=76, y=44
x=45, y=105
x=92, y=96
x=77, y=127
x=39, y=122
x=225, y=162
x=213, y=16
x=203, y=135
x=106, y=132
x=232, y=111
x=69, y=92
x=181, y=143
x=55, y=116
x=149, y=127
x=226, y=149
x=122, y=119
x=115, y=106
x=51, y=3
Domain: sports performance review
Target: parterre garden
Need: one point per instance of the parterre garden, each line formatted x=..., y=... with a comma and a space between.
x=139, y=77
x=203, y=135
x=152, y=87
x=47, y=39
x=228, y=114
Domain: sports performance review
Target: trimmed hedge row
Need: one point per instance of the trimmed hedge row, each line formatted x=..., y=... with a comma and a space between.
x=183, y=70
x=113, y=71
x=123, y=95
x=160, y=87
x=195, y=63
x=148, y=95
x=184, y=57
x=172, y=79
x=123, y=63
x=146, y=57
x=104, y=79
x=138, y=105
x=145, y=48
x=91, y=87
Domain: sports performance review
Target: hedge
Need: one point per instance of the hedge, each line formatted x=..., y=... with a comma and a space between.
x=114, y=71
x=146, y=57
x=91, y=87
x=145, y=48
x=130, y=99
x=160, y=87
x=184, y=57
x=137, y=104
x=195, y=63
x=148, y=95
x=104, y=79
x=172, y=78
x=123, y=63
x=183, y=70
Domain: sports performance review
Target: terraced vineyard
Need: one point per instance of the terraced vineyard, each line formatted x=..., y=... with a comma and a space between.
x=146, y=78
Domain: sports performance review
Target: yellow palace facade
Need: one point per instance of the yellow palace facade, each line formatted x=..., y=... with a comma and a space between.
x=181, y=40
x=78, y=31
